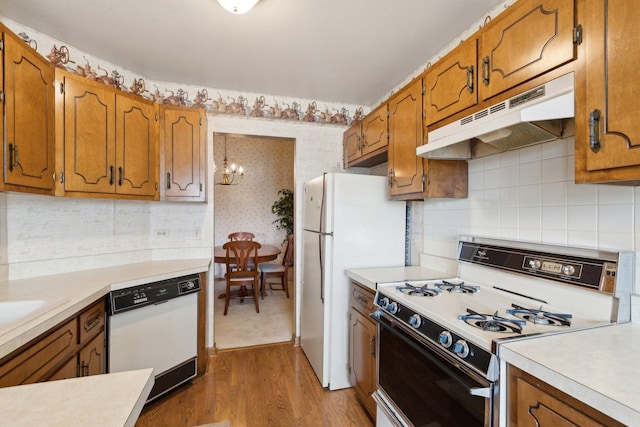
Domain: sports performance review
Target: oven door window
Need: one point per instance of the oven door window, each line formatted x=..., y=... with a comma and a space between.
x=426, y=388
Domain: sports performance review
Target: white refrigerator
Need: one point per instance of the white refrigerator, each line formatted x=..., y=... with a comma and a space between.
x=348, y=222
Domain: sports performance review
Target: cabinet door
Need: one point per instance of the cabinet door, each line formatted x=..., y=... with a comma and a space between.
x=184, y=150
x=405, y=134
x=68, y=370
x=89, y=136
x=610, y=135
x=374, y=131
x=36, y=362
x=92, y=357
x=363, y=363
x=351, y=144
x=451, y=84
x=531, y=38
x=29, y=151
x=136, y=134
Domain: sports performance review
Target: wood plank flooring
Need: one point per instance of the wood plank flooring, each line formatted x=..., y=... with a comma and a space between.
x=270, y=385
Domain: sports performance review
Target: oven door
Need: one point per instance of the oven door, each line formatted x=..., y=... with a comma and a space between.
x=423, y=386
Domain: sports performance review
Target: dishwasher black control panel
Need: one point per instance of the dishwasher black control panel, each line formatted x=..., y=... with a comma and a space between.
x=151, y=293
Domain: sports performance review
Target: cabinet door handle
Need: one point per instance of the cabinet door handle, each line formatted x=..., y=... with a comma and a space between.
x=111, y=175
x=485, y=70
x=594, y=130
x=13, y=157
x=120, y=176
x=91, y=323
x=372, y=346
x=470, y=79
x=168, y=180
x=85, y=369
x=390, y=177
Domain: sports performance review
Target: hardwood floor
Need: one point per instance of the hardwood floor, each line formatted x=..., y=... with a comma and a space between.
x=270, y=385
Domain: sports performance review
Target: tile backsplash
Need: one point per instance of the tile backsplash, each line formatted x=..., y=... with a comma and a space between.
x=530, y=195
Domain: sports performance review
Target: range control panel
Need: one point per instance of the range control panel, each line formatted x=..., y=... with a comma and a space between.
x=152, y=293
x=582, y=271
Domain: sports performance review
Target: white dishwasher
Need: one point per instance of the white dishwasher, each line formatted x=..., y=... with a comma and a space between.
x=155, y=326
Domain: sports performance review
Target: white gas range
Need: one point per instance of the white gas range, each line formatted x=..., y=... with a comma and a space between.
x=447, y=332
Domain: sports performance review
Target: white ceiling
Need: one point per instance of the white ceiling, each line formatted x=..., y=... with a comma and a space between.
x=348, y=51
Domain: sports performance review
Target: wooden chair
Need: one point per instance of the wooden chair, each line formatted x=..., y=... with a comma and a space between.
x=241, y=235
x=241, y=256
x=278, y=270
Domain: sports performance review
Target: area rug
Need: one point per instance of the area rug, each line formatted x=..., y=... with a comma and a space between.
x=220, y=424
x=243, y=327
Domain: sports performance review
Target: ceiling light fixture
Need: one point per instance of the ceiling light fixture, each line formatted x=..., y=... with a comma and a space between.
x=230, y=169
x=238, y=6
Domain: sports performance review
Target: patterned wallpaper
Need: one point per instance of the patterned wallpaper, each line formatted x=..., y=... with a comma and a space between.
x=214, y=100
x=268, y=164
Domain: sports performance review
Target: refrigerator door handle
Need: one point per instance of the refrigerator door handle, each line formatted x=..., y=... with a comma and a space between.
x=321, y=268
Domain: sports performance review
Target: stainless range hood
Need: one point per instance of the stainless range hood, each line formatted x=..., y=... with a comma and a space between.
x=532, y=117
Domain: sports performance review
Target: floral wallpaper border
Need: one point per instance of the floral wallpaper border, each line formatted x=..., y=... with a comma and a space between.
x=223, y=102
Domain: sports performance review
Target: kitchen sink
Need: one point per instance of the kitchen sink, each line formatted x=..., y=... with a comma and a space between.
x=14, y=313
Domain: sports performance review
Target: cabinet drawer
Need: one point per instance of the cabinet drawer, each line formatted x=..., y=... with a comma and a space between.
x=33, y=364
x=362, y=299
x=92, y=321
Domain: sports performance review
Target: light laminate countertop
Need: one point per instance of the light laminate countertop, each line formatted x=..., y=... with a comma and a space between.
x=110, y=400
x=599, y=367
x=370, y=277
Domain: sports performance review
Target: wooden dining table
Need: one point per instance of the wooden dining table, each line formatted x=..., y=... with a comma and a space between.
x=265, y=253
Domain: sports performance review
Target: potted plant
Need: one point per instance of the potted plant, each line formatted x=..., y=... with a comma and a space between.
x=283, y=208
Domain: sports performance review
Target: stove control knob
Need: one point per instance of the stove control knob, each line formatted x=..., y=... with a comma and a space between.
x=392, y=307
x=461, y=348
x=568, y=270
x=383, y=302
x=415, y=320
x=445, y=339
x=535, y=264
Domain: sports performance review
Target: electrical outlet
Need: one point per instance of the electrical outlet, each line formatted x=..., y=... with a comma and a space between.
x=197, y=233
x=162, y=233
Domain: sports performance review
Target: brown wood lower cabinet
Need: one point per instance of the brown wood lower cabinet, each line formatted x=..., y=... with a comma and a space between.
x=74, y=348
x=362, y=347
x=535, y=403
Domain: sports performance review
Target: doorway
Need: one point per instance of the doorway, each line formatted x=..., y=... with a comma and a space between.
x=243, y=203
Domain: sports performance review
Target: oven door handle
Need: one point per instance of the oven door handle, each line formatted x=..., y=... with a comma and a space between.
x=390, y=325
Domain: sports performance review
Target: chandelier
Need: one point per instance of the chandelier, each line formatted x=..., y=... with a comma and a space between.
x=238, y=6
x=230, y=169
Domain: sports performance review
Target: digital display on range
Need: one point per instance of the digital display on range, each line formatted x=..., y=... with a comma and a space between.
x=551, y=267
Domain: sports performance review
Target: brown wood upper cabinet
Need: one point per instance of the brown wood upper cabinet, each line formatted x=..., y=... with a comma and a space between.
x=451, y=83
x=607, y=132
x=525, y=41
x=365, y=142
x=28, y=101
x=109, y=140
x=183, y=153
x=412, y=177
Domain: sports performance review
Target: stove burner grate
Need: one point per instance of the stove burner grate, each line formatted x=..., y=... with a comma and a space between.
x=420, y=291
x=492, y=322
x=458, y=287
x=540, y=317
